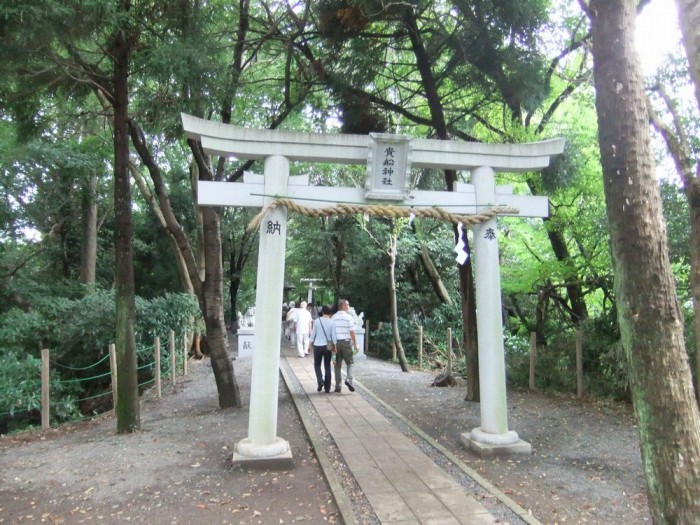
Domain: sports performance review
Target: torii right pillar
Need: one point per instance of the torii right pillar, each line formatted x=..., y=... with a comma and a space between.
x=492, y=437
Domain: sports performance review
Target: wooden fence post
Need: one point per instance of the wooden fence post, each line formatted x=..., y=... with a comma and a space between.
x=45, y=403
x=533, y=359
x=156, y=352
x=184, y=354
x=449, y=352
x=366, y=336
x=173, y=357
x=420, y=347
x=113, y=369
x=579, y=364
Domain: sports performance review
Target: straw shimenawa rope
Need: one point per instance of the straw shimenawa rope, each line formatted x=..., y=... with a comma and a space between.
x=380, y=210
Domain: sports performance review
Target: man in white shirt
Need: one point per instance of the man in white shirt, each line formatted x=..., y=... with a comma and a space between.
x=302, y=319
x=345, y=346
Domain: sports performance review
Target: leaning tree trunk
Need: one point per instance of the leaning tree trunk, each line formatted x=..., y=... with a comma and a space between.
x=147, y=194
x=689, y=22
x=427, y=263
x=213, y=297
x=393, y=306
x=651, y=323
x=679, y=146
x=212, y=307
x=127, y=409
x=693, y=192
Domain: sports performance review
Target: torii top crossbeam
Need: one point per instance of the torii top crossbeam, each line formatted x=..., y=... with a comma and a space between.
x=227, y=140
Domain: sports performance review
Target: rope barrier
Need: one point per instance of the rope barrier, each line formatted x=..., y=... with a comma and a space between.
x=108, y=393
x=141, y=353
x=79, y=379
x=83, y=368
x=381, y=210
x=13, y=412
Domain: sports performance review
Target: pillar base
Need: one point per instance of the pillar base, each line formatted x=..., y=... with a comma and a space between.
x=484, y=444
x=275, y=456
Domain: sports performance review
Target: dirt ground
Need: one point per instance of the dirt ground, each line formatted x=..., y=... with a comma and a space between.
x=176, y=470
x=585, y=466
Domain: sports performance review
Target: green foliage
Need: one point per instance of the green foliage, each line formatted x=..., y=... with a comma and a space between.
x=604, y=364
x=677, y=213
x=78, y=331
x=435, y=325
x=20, y=393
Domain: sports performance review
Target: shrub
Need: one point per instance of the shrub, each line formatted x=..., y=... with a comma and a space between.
x=78, y=331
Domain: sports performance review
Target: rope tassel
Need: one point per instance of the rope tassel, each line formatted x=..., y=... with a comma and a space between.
x=380, y=210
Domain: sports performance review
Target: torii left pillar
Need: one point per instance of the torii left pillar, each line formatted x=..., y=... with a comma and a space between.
x=263, y=447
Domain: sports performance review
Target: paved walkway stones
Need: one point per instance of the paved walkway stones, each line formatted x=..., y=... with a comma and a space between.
x=402, y=484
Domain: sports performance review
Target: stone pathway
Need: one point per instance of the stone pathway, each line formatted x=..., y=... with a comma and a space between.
x=403, y=485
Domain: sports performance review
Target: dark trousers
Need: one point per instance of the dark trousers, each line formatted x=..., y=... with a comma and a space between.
x=321, y=353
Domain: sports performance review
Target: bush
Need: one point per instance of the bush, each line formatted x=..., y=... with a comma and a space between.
x=78, y=332
x=604, y=365
x=435, y=328
x=20, y=393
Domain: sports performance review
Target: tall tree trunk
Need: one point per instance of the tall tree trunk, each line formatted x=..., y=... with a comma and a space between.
x=469, y=338
x=194, y=177
x=235, y=278
x=393, y=306
x=88, y=249
x=466, y=281
x=693, y=193
x=213, y=297
x=212, y=307
x=127, y=409
x=233, y=300
x=651, y=323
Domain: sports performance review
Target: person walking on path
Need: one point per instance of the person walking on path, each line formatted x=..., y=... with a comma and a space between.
x=345, y=345
x=302, y=319
x=323, y=339
x=290, y=323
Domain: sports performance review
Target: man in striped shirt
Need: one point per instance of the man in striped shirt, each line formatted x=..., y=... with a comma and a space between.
x=345, y=333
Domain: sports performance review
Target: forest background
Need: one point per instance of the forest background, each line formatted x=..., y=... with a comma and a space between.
x=102, y=241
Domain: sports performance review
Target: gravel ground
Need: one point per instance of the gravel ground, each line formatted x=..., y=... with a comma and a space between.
x=585, y=466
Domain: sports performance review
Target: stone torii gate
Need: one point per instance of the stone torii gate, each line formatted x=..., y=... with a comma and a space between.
x=389, y=159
